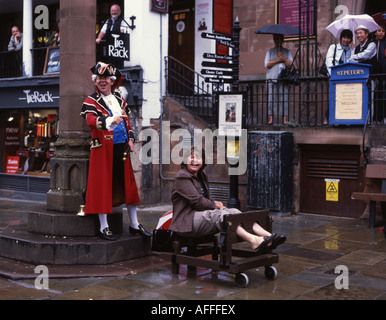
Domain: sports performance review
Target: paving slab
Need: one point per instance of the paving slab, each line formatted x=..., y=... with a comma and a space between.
x=316, y=245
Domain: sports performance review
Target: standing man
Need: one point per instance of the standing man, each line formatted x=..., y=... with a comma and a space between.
x=366, y=50
x=115, y=24
x=111, y=180
x=16, y=41
x=277, y=59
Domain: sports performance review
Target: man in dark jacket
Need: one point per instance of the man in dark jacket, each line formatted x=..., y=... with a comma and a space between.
x=365, y=51
x=115, y=24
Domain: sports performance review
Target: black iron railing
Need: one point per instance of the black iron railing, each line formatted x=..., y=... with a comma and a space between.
x=190, y=89
x=308, y=103
x=11, y=63
x=38, y=58
x=305, y=104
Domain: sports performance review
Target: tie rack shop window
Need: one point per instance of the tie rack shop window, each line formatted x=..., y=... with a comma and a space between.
x=28, y=138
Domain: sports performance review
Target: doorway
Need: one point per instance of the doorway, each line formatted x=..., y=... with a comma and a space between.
x=329, y=175
x=181, y=31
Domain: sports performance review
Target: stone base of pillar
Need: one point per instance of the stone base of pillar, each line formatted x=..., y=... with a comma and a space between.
x=71, y=225
x=67, y=239
x=64, y=200
x=69, y=170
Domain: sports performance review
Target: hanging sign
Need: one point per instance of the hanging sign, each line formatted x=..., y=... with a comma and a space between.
x=215, y=36
x=12, y=165
x=226, y=43
x=218, y=80
x=217, y=56
x=216, y=65
x=119, y=46
x=213, y=72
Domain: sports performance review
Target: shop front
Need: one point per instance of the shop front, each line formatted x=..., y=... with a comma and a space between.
x=29, y=126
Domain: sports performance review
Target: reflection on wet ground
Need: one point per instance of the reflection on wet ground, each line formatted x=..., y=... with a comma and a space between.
x=315, y=246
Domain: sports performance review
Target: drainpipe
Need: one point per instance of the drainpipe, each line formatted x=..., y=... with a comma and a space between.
x=27, y=37
x=162, y=104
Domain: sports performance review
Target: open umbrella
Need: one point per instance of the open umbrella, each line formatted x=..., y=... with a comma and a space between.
x=380, y=17
x=351, y=22
x=279, y=29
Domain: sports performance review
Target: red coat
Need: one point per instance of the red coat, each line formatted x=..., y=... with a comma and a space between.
x=102, y=193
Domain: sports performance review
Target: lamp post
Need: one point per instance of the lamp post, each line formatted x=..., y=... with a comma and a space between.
x=233, y=201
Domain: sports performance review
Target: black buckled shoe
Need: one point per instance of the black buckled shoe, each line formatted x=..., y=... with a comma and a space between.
x=263, y=247
x=278, y=240
x=141, y=231
x=107, y=234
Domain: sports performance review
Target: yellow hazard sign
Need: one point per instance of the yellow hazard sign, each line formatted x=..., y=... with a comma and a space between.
x=332, y=189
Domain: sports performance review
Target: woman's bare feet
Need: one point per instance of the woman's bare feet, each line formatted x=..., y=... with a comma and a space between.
x=255, y=240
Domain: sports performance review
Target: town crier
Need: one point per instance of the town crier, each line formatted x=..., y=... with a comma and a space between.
x=111, y=180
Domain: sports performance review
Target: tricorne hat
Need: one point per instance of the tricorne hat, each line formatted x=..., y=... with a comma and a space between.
x=106, y=69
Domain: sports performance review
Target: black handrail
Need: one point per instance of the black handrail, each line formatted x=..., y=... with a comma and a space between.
x=11, y=64
x=190, y=89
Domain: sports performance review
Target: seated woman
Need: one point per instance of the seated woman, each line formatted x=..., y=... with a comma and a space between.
x=196, y=215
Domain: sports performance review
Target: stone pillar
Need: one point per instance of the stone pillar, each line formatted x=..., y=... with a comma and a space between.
x=27, y=37
x=77, y=55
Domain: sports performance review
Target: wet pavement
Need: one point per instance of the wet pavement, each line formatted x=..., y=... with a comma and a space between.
x=310, y=267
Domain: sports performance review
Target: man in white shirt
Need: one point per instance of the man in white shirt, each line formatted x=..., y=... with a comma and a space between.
x=16, y=41
x=115, y=24
x=366, y=50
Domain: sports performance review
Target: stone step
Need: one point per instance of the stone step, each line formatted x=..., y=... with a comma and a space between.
x=69, y=224
x=19, y=244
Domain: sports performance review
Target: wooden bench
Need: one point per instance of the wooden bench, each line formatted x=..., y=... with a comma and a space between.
x=374, y=171
x=222, y=252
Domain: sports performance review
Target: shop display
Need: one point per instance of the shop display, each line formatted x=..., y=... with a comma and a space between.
x=34, y=144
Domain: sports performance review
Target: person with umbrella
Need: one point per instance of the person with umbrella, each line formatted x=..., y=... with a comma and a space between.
x=277, y=59
x=341, y=52
x=366, y=50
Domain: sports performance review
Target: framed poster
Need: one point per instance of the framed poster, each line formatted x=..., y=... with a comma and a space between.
x=287, y=12
x=349, y=94
x=231, y=113
x=52, y=63
x=159, y=5
x=348, y=101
